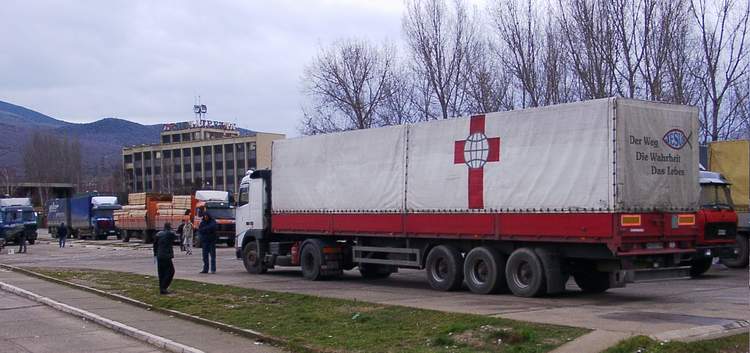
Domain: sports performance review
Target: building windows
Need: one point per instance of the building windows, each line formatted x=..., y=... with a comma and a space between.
x=148, y=170
x=230, y=164
x=186, y=168
x=219, y=165
x=208, y=166
x=138, y=156
x=196, y=151
x=197, y=167
x=176, y=169
x=241, y=165
x=146, y=156
x=186, y=136
x=220, y=181
x=186, y=152
x=176, y=153
x=157, y=170
x=128, y=158
x=176, y=138
x=167, y=154
x=165, y=139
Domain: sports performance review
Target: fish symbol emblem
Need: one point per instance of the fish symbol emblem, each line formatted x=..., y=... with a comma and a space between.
x=676, y=139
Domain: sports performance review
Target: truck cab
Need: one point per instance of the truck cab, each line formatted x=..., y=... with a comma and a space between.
x=16, y=216
x=251, y=209
x=217, y=204
x=102, y=216
x=718, y=221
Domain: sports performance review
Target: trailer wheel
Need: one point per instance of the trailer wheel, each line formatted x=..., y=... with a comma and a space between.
x=311, y=258
x=699, y=266
x=375, y=271
x=484, y=271
x=524, y=273
x=444, y=267
x=252, y=258
x=741, y=260
x=592, y=281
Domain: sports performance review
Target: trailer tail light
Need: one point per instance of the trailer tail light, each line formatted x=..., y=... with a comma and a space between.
x=686, y=220
x=630, y=220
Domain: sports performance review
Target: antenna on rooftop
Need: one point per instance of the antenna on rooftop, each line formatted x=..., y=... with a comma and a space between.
x=199, y=110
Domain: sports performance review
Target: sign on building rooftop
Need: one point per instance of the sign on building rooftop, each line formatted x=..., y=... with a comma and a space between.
x=184, y=125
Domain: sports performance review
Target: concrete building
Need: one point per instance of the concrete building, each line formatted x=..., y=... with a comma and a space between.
x=195, y=155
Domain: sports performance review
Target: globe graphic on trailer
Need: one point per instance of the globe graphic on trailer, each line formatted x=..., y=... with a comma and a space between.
x=476, y=150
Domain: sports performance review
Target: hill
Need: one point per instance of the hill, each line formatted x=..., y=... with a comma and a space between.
x=101, y=140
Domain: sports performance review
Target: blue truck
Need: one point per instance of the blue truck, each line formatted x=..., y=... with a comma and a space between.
x=17, y=216
x=87, y=215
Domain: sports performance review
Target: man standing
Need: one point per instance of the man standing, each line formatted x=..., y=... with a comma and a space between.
x=62, y=235
x=164, y=254
x=207, y=233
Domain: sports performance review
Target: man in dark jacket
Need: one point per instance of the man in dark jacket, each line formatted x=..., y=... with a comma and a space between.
x=62, y=235
x=207, y=233
x=164, y=254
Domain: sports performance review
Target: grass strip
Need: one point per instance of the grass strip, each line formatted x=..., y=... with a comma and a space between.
x=331, y=325
x=643, y=344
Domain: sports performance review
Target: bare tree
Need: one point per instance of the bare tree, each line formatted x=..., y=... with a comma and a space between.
x=488, y=88
x=49, y=158
x=724, y=59
x=348, y=82
x=592, y=45
x=439, y=37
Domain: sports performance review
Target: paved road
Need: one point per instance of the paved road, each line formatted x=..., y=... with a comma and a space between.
x=643, y=308
x=27, y=326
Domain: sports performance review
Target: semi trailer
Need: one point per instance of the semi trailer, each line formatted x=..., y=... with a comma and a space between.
x=602, y=190
x=88, y=215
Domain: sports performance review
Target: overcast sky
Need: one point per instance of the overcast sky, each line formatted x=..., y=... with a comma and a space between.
x=146, y=60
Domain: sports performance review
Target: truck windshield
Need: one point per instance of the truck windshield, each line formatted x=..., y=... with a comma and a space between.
x=716, y=196
x=221, y=213
x=103, y=213
x=28, y=216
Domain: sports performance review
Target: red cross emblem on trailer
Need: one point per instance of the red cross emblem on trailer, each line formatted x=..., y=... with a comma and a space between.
x=476, y=151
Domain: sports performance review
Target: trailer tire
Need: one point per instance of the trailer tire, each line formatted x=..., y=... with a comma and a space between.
x=311, y=258
x=484, y=271
x=375, y=271
x=741, y=260
x=444, y=267
x=700, y=266
x=525, y=273
x=592, y=281
x=252, y=258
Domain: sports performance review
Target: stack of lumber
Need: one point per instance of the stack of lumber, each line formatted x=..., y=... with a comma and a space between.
x=138, y=198
x=179, y=205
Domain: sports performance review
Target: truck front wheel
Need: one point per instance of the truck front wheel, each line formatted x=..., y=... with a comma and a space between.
x=444, y=267
x=525, y=273
x=484, y=271
x=252, y=258
x=741, y=258
x=311, y=259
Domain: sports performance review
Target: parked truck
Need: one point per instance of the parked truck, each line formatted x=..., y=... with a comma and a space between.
x=718, y=220
x=218, y=204
x=602, y=190
x=731, y=159
x=17, y=216
x=88, y=215
x=139, y=217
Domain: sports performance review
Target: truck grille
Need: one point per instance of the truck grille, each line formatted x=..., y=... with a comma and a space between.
x=725, y=230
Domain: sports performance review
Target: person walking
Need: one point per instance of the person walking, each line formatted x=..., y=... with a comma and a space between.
x=180, y=235
x=62, y=235
x=21, y=239
x=163, y=253
x=207, y=234
x=187, y=234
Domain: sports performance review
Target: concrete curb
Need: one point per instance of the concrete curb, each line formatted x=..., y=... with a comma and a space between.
x=701, y=333
x=154, y=340
x=199, y=320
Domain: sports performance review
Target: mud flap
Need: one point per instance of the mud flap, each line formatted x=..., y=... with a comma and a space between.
x=553, y=271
